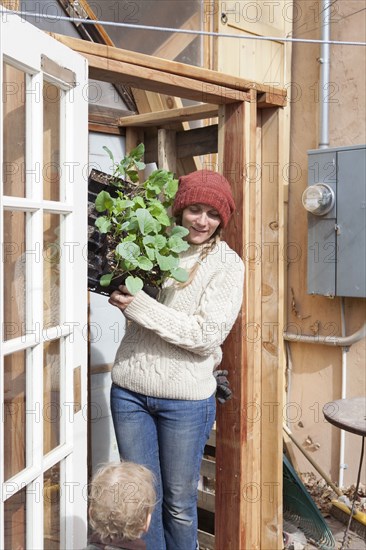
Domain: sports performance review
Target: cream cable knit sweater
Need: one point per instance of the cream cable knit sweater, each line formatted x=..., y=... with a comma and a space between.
x=172, y=346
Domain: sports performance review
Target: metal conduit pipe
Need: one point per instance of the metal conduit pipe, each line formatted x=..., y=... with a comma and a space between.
x=340, y=341
x=324, y=61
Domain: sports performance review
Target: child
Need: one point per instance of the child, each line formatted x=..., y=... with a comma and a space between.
x=122, y=499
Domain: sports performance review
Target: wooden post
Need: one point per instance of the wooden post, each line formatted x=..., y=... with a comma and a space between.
x=167, y=151
x=272, y=259
x=234, y=448
x=249, y=427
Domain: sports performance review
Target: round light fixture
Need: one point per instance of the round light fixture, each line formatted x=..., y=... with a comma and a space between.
x=318, y=199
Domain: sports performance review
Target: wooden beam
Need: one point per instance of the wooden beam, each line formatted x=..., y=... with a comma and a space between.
x=167, y=66
x=271, y=99
x=177, y=42
x=101, y=68
x=198, y=141
x=98, y=114
x=173, y=116
x=272, y=360
x=106, y=129
x=232, y=432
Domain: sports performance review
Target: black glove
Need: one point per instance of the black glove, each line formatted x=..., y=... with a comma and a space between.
x=223, y=391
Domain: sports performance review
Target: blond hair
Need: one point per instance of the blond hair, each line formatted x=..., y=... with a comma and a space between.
x=122, y=496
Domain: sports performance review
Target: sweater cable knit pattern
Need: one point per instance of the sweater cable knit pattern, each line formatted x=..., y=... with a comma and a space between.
x=172, y=346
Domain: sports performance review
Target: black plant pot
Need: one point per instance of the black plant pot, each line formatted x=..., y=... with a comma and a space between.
x=98, y=249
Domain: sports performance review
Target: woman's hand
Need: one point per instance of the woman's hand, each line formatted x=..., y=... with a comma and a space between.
x=121, y=298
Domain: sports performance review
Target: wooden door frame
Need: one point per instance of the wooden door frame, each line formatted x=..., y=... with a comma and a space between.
x=249, y=134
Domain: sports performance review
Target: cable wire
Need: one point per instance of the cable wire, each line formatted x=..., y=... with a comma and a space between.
x=184, y=31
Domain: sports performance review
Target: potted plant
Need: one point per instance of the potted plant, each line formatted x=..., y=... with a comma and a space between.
x=132, y=237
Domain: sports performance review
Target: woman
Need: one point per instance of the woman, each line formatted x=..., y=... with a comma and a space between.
x=163, y=391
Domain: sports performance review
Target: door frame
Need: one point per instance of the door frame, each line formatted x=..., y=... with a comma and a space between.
x=45, y=58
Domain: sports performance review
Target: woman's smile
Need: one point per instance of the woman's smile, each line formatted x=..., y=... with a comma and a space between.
x=202, y=221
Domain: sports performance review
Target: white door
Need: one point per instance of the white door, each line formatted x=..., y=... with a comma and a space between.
x=43, y=274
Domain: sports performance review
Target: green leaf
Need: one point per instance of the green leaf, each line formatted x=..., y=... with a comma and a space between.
x=180, y=275
x=134, y=284
x=177, y=245
x=133, y=175
x=124, y=225
x=163, y=218
x=105, y=280
x=150, y=252
x=110, y=154
x=103, y=224
x=171, y=188
x=155, y=207
x=156, y=181
x=159, y=241
x=103, y=201
x=138, y=151
x=145, y=263
x=139, y=201
x=167, y=263
x=179, y=231
x=130, y=238
x=122, y=204
x=140, y=165
x=145, y=220
x=128, y=251
x=149, y=239
x=156, y=241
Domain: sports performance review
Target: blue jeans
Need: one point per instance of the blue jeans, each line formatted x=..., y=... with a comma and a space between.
x=168, y=436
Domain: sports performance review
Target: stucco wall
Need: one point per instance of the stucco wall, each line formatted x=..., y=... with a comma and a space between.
x=315, y=376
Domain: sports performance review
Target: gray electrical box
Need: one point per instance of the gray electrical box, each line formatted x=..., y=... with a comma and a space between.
x=336, y=204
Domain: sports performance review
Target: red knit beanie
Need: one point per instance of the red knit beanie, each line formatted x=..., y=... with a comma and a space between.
x=205, y=187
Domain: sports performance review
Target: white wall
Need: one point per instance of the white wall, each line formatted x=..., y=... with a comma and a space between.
x=106, y=330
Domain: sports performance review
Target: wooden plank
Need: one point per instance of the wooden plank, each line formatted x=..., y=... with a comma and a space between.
x=232, y=430
x=269, y=99
x=167, y=155
x=104, y=119
x=199, y=141
x=178, y=42
x=272, y=374
x=211, y=442
x=251, y=400
x=166, y=66
x=105, y=129
x=173, y=116
x=101, y=368
x=206, y=501
x=101, y=68
x=97, y=29
x=208, y=468
x=206, y=540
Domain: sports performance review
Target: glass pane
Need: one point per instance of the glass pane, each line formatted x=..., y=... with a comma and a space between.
x=51, y=395
x=15, y=521
x=14, y=413
x=51, y=141
x=14, y=274
x=51, y=270
x=52, y=517
x=14, y=131
x=185, y=14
